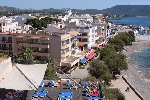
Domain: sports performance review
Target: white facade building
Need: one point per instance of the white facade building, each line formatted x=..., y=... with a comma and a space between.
x=7, y=24
x=21, y=19
x=87, y=37
x=82, y=18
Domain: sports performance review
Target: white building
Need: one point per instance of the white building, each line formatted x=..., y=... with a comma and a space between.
x=7, y=24
x=21, y=19
x=67, y=15
x=82, y=18
x=87, y=37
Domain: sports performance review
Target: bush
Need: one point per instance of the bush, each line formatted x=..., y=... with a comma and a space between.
x=120, y=97
x=113, y=94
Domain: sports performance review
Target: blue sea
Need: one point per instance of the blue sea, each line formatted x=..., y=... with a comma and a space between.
x=139, y=21
x=142, y=59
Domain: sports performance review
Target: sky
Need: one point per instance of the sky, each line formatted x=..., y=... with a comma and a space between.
x=77, y=4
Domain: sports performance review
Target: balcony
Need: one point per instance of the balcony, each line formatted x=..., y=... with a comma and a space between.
x=5, y=48
x=4, y=42
x=33, y=45
x=40, y=43
x=64, y=46
x=40, y=54
x=83, y=30
x=82, y=36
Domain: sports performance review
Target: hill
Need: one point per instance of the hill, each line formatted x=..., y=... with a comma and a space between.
x=130, y=10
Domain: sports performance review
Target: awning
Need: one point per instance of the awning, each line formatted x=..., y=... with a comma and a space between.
x=91, y=55
x=81, y=44
x=83, y=60
x=100, y=46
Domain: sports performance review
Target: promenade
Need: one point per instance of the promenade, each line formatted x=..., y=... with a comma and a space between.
x=122, y=85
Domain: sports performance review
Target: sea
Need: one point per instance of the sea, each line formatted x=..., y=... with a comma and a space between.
x=142, y=59
x=138, y=21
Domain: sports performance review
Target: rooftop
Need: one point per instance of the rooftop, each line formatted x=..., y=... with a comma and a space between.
x=21, y=77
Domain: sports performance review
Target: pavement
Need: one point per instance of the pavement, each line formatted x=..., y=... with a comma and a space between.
x=80, y=73
x=122, y=86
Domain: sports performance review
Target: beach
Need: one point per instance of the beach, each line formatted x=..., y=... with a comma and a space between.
x=134, y=75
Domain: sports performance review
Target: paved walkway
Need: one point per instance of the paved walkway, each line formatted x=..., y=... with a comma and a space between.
x=122, y=85
x=80, y=73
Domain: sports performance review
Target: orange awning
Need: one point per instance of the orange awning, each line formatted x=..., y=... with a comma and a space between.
x=91, y=55
x=81, y=44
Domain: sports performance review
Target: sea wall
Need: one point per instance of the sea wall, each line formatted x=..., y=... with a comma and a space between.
x=142, y=37
x=136, y=92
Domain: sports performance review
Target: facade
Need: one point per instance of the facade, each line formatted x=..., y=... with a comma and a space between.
x=59, y=45
x=88, y=36
x=21, y=19
x=6, y=24
x=85, y=18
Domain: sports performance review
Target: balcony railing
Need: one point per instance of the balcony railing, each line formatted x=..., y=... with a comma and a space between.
x=83, y=30
x=5, y=48
x=40, y=43
x=6, y=41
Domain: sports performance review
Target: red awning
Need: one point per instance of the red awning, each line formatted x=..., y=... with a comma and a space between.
x=91, y=55
x=100, y=46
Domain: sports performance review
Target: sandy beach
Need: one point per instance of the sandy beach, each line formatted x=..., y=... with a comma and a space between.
x=134, y=74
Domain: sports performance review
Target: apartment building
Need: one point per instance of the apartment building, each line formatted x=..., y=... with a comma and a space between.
x=69, y=54
x=7, y=24
x=88, y=36
x=58, y=44
x=6, y=42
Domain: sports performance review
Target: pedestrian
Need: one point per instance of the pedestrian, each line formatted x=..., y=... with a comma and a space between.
x=128, y=89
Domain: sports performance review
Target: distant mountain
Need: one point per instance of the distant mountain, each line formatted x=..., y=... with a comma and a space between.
x=9, y=9
x=130, y=10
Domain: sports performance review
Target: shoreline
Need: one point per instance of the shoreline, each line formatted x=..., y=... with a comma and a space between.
x=134, y=74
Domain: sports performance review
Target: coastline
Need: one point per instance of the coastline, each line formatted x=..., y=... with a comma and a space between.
x=134, y=74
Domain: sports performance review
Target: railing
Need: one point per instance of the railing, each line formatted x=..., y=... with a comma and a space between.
x=6, y=41
x=41, y=43
x=83, y=30
x=5, y=48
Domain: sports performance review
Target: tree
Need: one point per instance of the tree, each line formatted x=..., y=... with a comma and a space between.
x=40, y=23
x=107, y=50
x=51, y=70
x=99, y=70
x=3, y=54
x=117, y=43
x=125, y=38
x=25, y=57
x=116, y=62
x=131, y=36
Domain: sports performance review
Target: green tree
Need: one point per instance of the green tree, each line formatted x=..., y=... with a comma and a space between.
x=3, y=54
x=116, y=62
x=99, y=70
x=117, y=43
x=26, y=56
x=107, y=50
x=51, y=70
x=40, y=23
x=125, y=38
x=131, y=36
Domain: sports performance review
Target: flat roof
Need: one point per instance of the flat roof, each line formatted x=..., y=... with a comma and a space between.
x=24, y=77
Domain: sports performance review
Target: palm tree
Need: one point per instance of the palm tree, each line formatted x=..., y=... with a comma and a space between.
x=3, y=54
x=26, y=56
